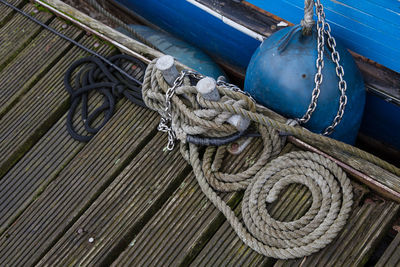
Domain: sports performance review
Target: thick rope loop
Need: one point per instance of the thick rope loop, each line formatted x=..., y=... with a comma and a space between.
x=228, y=182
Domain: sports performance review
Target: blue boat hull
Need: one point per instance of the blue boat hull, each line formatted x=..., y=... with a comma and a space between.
x=198, y=27
x=234, y=48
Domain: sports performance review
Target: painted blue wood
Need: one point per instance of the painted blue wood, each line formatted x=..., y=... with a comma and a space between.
x=369, y=27
x=196, y=26
x=381, y=121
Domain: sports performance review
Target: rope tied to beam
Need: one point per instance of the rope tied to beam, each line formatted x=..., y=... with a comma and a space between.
x=330, y=188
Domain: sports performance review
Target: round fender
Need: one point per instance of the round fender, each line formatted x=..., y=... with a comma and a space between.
x=281, y=74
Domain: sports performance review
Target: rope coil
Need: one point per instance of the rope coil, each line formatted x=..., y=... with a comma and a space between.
x=286, y=240
x=330, y=188
x=332, y=201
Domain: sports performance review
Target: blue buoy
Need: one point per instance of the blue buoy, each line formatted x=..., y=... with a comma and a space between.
x=281, y=73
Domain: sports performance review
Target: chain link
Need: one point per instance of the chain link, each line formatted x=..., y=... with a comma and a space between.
x=323, y=28
x=165, y=124
x=342, y=85
x=319, y=64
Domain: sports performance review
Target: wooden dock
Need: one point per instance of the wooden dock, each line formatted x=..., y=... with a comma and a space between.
x=120, y=199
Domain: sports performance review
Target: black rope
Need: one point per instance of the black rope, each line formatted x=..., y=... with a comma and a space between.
x=215, y=141
x=94, y=75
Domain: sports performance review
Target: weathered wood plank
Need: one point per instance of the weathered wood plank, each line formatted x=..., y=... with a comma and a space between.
x=18, y=32
x=6, y=12
x=123, y=209
x=185, y=223
x=38, y=57
x=167, y=238
x=356, y=242
x=30, y=176
x=37, y=111
x=391, y=256
x=77, y=186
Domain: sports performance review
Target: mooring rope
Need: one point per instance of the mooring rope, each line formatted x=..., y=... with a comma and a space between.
x=154, y=89
x=308, y=22
x=330, y=188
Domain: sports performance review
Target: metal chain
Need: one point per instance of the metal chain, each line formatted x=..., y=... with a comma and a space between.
x=323, y=28
x=342, y=83
x=319, y=64
x=165, y=124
